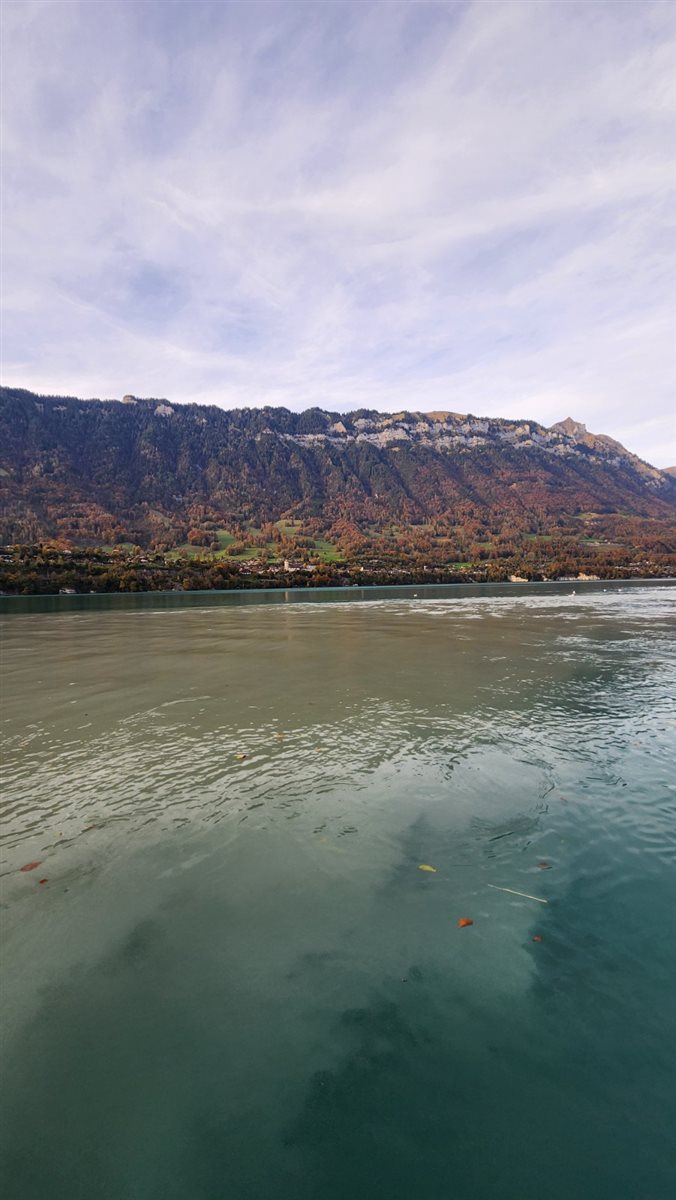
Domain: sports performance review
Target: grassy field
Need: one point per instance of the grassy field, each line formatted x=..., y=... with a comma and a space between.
x=327, y=551
x=270, y=551
x=186, y=550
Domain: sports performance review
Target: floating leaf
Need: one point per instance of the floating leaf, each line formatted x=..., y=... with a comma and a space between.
x=43, y=881
x=240, y=757
x=544, y=866
x=537, y=937
x=464, y=922
x=31, y=865
x=426, y=867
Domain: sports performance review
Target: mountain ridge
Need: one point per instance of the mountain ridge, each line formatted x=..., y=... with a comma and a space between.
x=149, y=470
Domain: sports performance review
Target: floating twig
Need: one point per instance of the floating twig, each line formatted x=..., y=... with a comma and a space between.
x=525, y=895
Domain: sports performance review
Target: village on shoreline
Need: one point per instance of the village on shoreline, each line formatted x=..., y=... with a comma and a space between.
x=56, y=568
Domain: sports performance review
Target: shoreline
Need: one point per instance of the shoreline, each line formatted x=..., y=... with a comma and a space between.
x=57, y=602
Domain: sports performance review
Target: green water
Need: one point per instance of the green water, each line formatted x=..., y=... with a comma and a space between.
x=237, y=983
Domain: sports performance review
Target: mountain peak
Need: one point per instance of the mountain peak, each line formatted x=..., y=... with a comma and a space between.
x=571, y=428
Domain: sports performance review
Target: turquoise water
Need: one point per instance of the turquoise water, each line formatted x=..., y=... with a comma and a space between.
x=237, y=982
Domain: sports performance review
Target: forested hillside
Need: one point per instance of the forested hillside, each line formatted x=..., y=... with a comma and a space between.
x=443, y=488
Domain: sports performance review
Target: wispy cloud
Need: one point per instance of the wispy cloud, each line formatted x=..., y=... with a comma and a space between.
x=407, y=205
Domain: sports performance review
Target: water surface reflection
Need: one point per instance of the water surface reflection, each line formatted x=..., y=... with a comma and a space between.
x=237, y=981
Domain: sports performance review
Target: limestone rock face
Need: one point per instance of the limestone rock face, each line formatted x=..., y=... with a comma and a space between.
x=572, y=429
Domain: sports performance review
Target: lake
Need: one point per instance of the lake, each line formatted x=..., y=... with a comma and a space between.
x=228, y=976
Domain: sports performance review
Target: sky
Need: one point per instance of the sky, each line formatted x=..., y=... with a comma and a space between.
x=460, y=205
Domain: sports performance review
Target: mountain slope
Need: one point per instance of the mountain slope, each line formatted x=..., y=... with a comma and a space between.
x=146, y=470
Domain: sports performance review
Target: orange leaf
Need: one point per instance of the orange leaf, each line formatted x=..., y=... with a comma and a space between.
x=464, y=922
x=31, y=865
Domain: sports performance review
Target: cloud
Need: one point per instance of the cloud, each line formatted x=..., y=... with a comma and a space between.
x=439, y=205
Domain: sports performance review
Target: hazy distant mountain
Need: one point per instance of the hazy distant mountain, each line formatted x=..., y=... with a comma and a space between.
x=148, y=470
